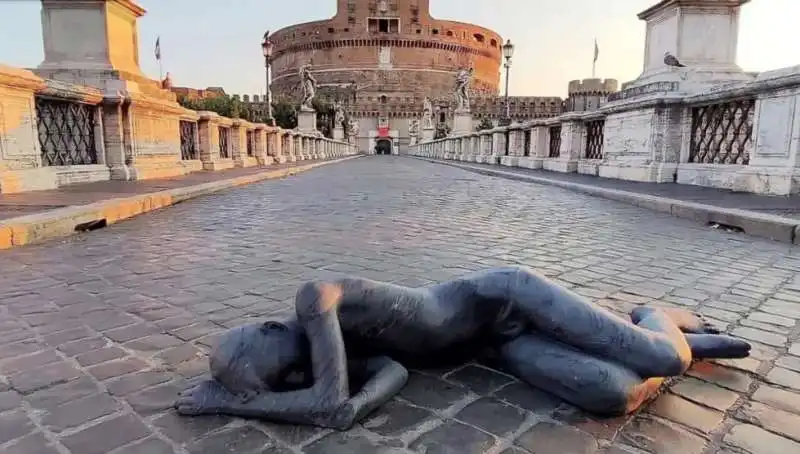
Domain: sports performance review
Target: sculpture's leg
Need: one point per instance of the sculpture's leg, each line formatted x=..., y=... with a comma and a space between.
x=586, y=381
x=717, y=346
x=655, y=347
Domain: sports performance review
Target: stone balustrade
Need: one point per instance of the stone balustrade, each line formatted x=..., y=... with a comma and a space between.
x=54, y=133
x=741, y=135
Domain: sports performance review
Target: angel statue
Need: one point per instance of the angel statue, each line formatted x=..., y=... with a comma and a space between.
x=338, y=118
x=413, y=131
x=353, y=130
x=462, y=88
x=309, y=86
x=427, y=114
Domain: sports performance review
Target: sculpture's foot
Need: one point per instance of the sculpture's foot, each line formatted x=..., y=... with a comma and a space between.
x=687, y=321
x=717, y=346
x=207, y=397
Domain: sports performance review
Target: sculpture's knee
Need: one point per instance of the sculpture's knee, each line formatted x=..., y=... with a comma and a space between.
x=314, y=298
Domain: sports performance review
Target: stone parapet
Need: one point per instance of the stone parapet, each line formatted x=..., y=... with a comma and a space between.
x=740, y=136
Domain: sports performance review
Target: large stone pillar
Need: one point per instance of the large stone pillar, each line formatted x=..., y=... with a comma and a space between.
x=702, y=34
x=515, y=146
x=96, y=43
x=214, y=150
x=538, y=148
x=573, y=139
x=261, y=144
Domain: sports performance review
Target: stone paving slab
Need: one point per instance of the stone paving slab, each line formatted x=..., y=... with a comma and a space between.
x=99, y=332
x=81, y=207
x=773, y=217
x=781, y=205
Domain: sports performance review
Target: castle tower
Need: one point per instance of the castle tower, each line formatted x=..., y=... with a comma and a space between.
x=589, y=94
x=391, y=54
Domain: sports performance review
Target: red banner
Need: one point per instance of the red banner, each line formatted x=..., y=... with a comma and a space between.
x=383, y=131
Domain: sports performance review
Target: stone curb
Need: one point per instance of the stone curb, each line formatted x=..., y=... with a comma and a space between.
x=62, y=222
x=762, y=225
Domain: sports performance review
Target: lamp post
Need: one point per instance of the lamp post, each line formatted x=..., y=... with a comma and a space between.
x=508, y=52
x=266, y=49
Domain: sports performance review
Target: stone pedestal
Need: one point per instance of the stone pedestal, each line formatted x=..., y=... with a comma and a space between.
x=338, y=133
x=428, y=134
x=307, y=121
x=702, y=34
x=462, y=122
x=95, y=43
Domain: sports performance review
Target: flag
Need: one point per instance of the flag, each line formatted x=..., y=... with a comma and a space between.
x=596, y=51
x=158, y=48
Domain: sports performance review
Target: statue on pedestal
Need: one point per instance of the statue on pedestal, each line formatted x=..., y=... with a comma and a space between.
x=413, y=131
x=338, y=118
x=309, y=86
x=427, y=114
x=353, y=128
x=462, y=89
x=346, y=350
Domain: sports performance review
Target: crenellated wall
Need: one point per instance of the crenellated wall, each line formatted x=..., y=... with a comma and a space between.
x=589, y=94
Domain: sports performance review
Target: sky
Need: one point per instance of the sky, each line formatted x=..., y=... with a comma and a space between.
x=212, y=43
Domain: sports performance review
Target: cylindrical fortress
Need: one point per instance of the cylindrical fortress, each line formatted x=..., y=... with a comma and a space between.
x=389, y=51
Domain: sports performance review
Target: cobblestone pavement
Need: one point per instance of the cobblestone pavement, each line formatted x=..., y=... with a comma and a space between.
x=98, y=333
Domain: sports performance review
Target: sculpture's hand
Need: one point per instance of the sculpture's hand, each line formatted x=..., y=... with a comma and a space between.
x=207, y=397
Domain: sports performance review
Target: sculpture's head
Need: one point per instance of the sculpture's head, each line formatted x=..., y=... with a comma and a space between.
x=260, y=356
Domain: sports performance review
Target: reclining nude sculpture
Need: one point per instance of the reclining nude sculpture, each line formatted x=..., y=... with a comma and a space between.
x=354, y=330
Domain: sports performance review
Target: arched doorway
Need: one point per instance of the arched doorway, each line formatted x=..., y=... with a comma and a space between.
x=383, y=146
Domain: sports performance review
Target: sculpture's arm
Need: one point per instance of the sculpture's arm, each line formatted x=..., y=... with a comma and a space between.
x=314, y=406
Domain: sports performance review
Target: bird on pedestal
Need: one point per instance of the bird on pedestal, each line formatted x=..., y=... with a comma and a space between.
x=671, y=60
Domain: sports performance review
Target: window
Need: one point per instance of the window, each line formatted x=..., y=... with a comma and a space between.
x=331, y=30
x=442, y=117
x=478, y=37
x=435, y=31
x=384, y=99
x=493, y=43
x=449, y=33
x=419, y=31
x=383, y=25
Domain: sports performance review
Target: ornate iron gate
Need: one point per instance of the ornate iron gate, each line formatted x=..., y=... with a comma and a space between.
x=594, y=138
x=66, y=132
x=555, y=141
x=224, y=136
x=722, y=133
x=188, y=140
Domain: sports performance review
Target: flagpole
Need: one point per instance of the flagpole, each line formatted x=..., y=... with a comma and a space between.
x=594, y=60
x=158, y=57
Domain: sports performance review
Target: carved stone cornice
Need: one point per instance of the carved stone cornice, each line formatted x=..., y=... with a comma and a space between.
x=20, y=78
x=665, y=4
x=71, y=92
x=129, y=5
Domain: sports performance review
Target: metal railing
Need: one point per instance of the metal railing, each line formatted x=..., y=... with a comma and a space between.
x=189, y=140
x=594, y=138
x=250, y=142
x=722, y=133
x=66, y=132
x=224, y=140
x=554, y=133
x=526, y=143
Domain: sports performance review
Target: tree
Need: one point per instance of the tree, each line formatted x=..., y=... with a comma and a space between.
x=285, y=114
x=484, y=124
x=442, y=131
